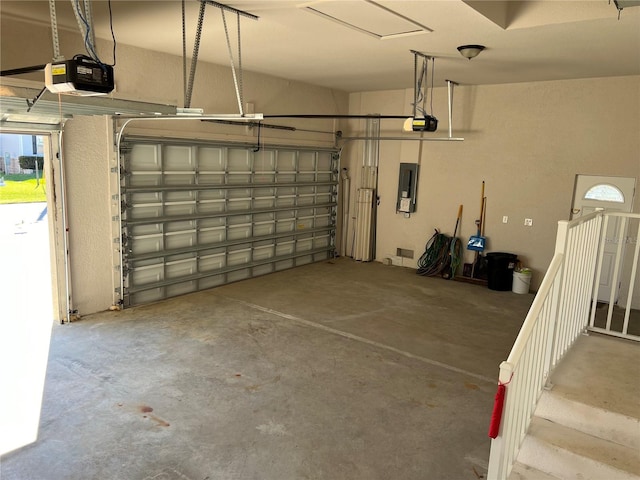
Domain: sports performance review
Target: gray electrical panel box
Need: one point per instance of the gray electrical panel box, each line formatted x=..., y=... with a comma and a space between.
x=407, y=188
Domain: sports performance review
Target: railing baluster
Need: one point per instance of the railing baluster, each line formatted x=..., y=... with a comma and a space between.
x=632, y=283
x=616, y=269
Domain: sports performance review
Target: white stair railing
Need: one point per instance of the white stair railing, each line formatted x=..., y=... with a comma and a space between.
x=624, y=234
x=558, y=315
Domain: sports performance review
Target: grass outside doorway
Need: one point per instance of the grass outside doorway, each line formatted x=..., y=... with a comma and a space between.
x=22, y=188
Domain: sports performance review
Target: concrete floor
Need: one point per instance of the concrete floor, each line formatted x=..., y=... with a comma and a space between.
x=337, y=370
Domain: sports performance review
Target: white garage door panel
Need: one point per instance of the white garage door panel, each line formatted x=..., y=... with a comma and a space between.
x=198, y=215
x=147, y=157
x=178, y=158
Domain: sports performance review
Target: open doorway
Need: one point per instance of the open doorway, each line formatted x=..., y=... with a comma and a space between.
x=24, y=222
x=26, y=298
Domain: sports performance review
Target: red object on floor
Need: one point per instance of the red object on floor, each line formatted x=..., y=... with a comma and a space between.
x=496, y=416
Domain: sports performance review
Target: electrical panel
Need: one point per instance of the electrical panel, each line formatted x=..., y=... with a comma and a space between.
x=407, y=188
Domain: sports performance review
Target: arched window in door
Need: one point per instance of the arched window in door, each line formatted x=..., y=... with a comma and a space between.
x=604, y=193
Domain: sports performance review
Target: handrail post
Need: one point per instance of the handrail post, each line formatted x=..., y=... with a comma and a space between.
x=497, y=469
x=561, y=236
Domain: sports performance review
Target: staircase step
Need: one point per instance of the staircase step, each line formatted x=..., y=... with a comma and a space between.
x=618, y=428
x=566, y=453
x=525, y=472
x=601, y=371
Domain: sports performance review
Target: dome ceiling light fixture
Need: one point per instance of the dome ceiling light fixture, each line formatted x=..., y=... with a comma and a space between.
x=470, y=51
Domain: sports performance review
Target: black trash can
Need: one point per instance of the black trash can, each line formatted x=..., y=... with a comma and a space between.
x=500, y=270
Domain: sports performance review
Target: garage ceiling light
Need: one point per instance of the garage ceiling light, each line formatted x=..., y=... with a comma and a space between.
x=470, y=51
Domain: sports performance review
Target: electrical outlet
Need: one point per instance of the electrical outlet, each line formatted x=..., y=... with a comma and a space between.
x=505, y=219
x=528, y=222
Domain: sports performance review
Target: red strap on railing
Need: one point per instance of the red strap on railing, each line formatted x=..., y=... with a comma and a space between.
x=496, y=416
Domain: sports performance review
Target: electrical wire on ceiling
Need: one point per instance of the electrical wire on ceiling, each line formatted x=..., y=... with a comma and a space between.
x=85, y=25
x=423, y=91
x=113, y=35
x=84, y=16
x=420, y=97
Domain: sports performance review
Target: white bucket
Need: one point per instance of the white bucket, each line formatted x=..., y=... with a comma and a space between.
x=521, y=282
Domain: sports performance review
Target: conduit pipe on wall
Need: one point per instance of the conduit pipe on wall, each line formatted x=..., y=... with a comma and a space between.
x=366, y=203
x=346, y=186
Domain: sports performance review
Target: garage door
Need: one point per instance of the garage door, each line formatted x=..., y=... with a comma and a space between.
x=196, y=215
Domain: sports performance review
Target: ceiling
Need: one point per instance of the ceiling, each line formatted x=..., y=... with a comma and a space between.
x=525, y=40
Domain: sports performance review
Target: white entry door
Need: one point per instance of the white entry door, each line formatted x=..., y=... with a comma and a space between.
x=594, y=192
